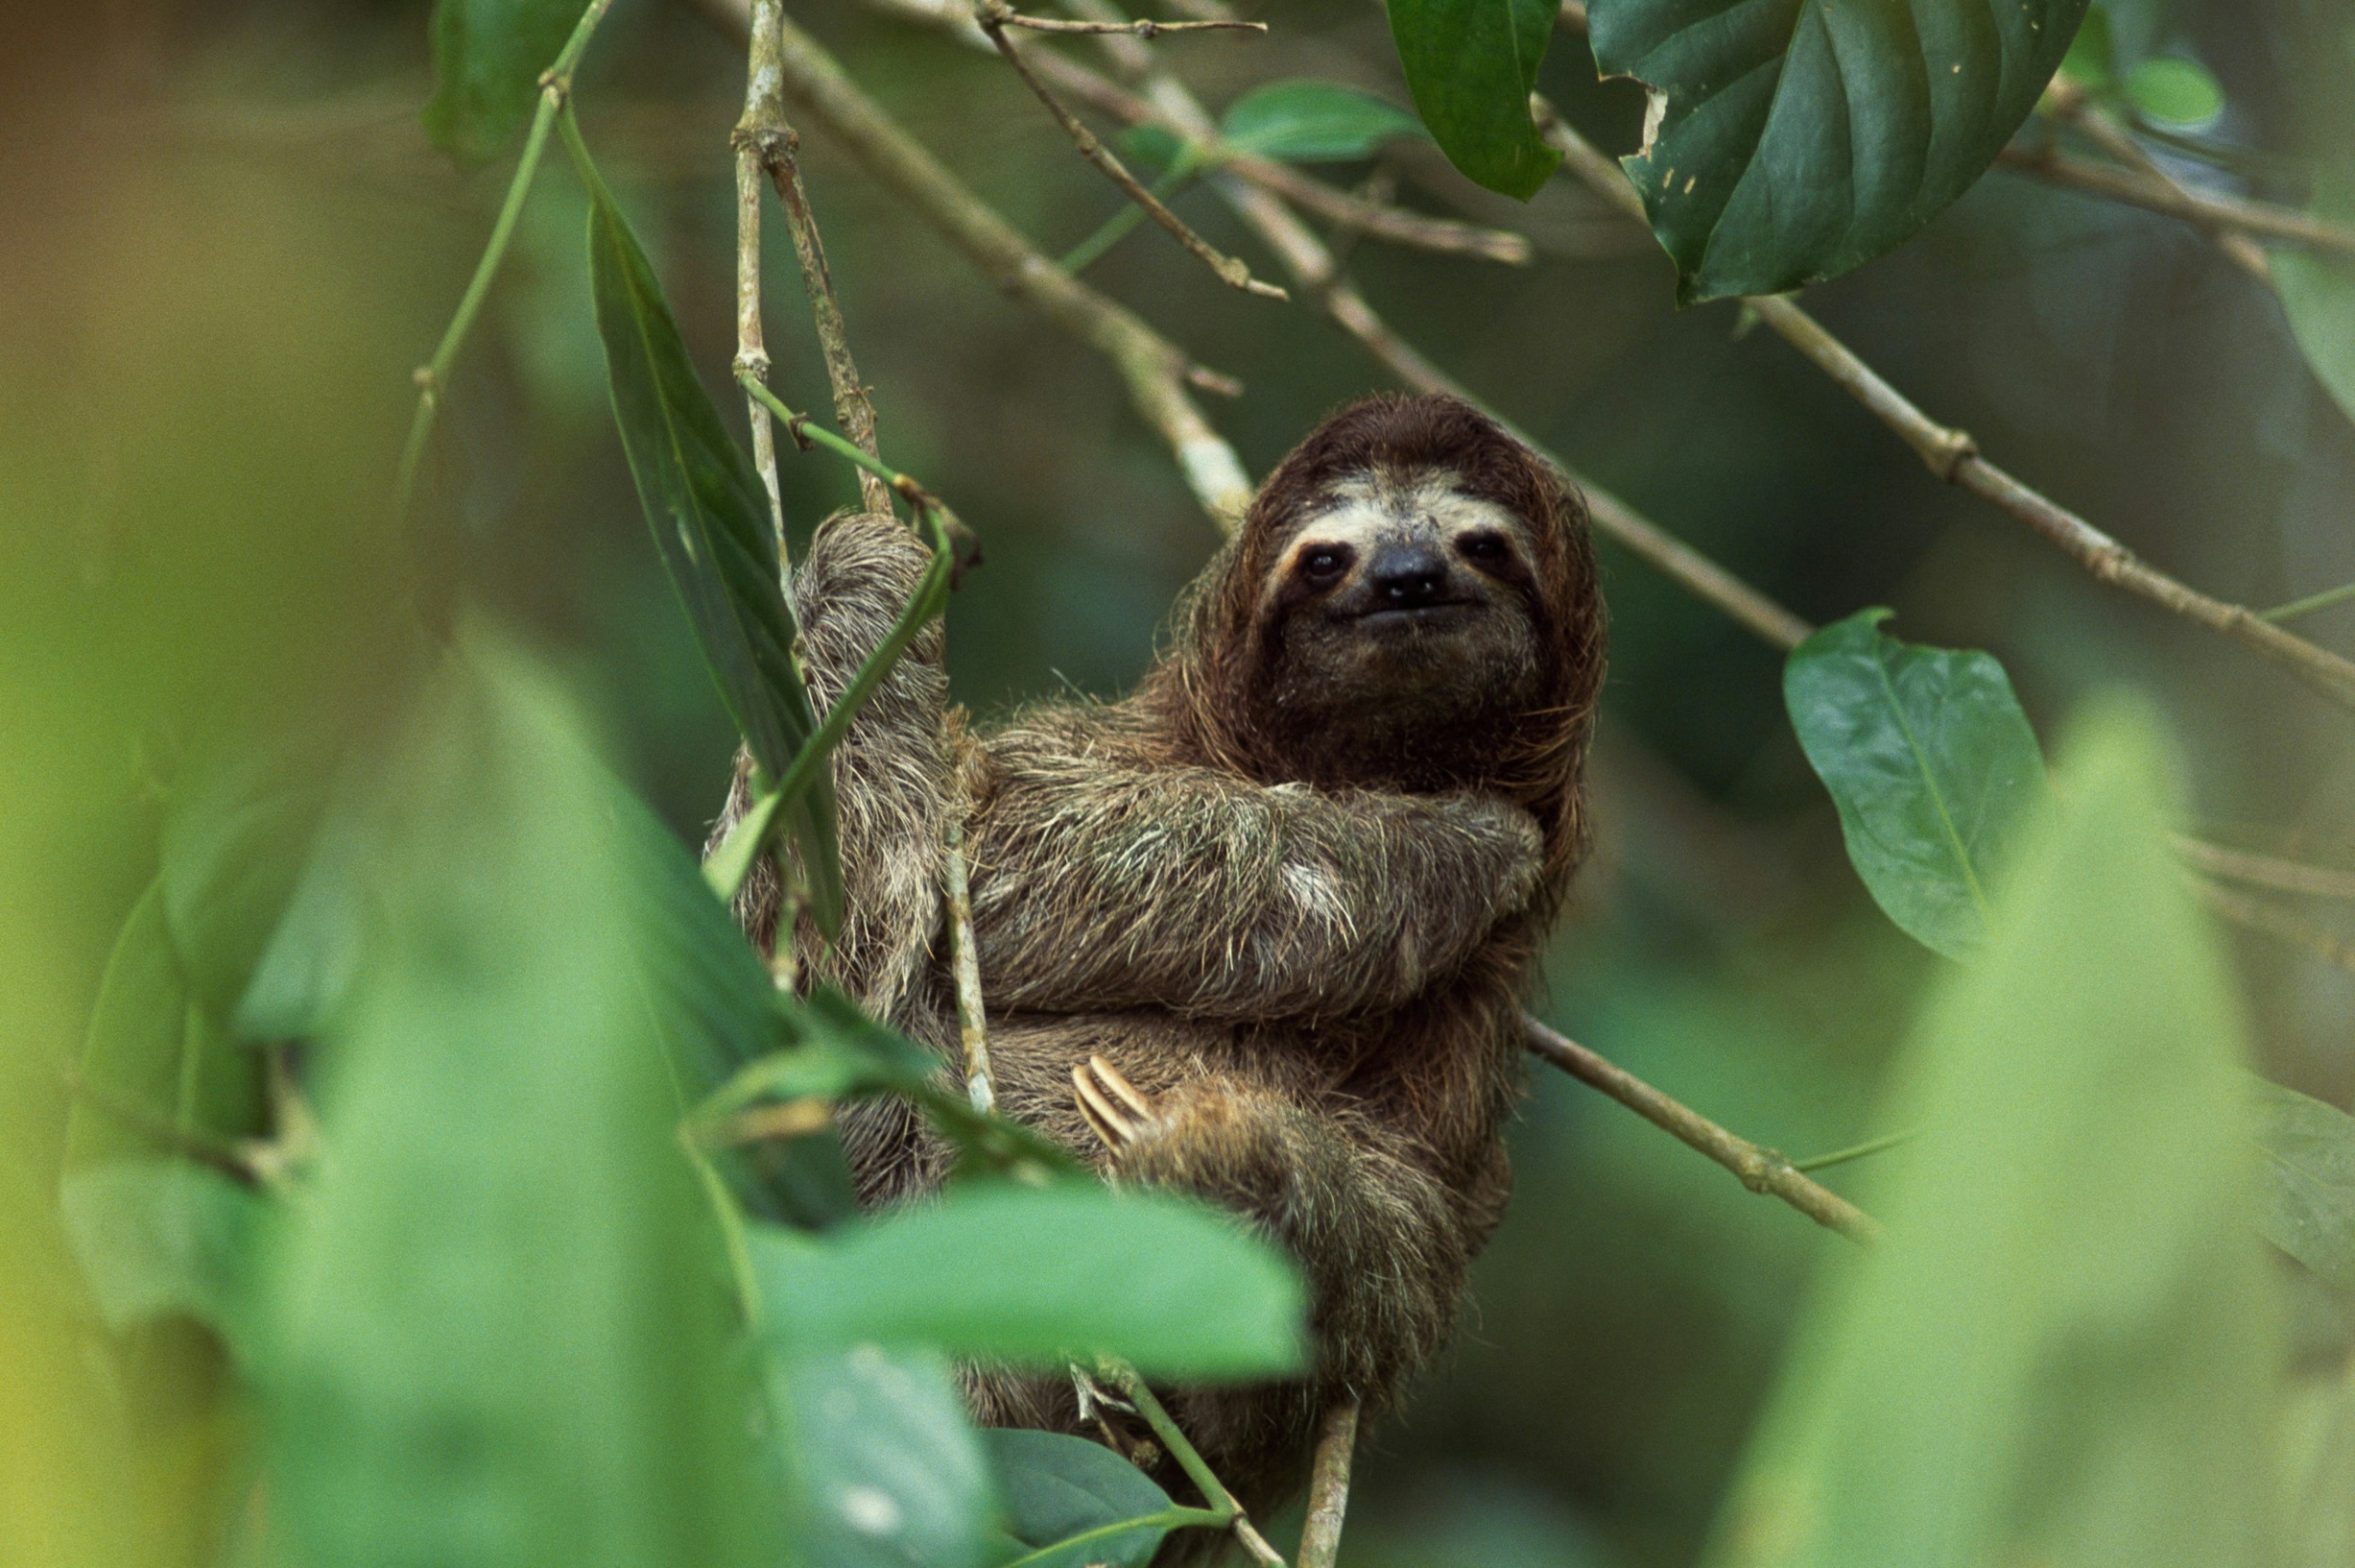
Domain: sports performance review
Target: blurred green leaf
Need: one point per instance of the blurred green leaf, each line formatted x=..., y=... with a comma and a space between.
x=1307, y=122
x=2174, y=91
x=1044, y=1276
x=1153, y=146
x=1059, y=1487
x=883, y=1467
x=159, y=1238
x=2308, y=1207
x=1930, y=763
x=2066, y=1350
x=487, y=58
x=497, y=1326
x=1793, y=142
x=1471, y=66
x=2317, y=294
x=2092, y=56
x=710, y=521
x=237, y=832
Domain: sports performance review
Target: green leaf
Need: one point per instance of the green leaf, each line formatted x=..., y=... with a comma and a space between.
x=1930, y=763
x=2317, y=294
x=710, y=521
x=1795, y=139
x=1471, y=66
x=1059, y=1487
x=1314, y=121
x=2093, y=54
x=1042, y=1277
x=498, y=1324
x=162, y=1238
x=2066, y=1350
x=487, y=59
x=882, y=1467
x=2174, y=91
x=2308, y=1207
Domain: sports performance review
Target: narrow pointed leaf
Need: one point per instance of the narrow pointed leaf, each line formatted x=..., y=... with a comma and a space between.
x=1471, y=66
x=1930, y=763
x=487, y=58
x=1794, y=139
x=710, y=521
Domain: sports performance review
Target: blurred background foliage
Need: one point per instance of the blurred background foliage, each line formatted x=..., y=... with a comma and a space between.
x=229, y=243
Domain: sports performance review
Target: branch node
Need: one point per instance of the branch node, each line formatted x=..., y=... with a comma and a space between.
x=1212, y=381
x=1948, y=451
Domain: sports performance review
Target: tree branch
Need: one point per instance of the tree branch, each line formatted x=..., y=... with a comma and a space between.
x=2261, y=915
x=1760, y=1169
x=1953, y=456
x=2266, y=870
x=2070, y=104
x=762, y=108
x=973, y=1029
x=1145, y=27
x=1328, y=1488
x=2158, y=194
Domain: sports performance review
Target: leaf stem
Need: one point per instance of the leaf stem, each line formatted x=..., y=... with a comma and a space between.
x=1857, y=1151
x=1173, y=1516
x=1227, y=1512
x=2309, y=604
x=433, y=376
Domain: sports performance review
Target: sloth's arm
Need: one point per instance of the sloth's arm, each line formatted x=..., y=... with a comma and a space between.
x=1099, y=886
x=891, y=772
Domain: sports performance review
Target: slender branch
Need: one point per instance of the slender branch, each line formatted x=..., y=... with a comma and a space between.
x=2266, y=870
x=1953, y=456
x=1760, y=1169
x=763, y=105
x=2070, y=104
x=2327, y=599
x=433, y=376
x=242, y=1162
x=1328, y=1487
x=2271, y=919
x=1214, y=1491
x=1144, y=27
x=973, y=1027
x=2158, y=194
x=1856, y=1151
x=1232, y=270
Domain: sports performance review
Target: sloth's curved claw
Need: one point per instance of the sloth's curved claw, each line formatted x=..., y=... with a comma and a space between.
x=1115, y=1110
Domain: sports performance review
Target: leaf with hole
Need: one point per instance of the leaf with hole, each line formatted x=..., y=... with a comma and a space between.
x=1043, y=1276
x=710, y=521
x=1062, y=1488
x=1791, y=141
x=487, y=58
x=1471, y=66
x=2066, y=1349
x=1306, y=122
x=1930, y=763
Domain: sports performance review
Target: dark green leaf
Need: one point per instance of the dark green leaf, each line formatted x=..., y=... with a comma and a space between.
x=1151, y=147
x=487, y=59
x=2174, y=91
x=883, y=1468
x=2308, y=1207
x=2066, y=1349
x=710, y=521
x=1314, y=121
x=1043, y=1276
x=499, y=1321
x=1930, y=763
x=1794, y=140
x=1058, y=1486
x=1471, y=66
x=2092, y=57
x=158, y=1237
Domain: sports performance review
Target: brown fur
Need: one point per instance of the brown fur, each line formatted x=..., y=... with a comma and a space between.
x=1318, y=982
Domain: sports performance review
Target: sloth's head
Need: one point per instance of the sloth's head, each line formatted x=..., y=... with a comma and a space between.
x=1411, y=605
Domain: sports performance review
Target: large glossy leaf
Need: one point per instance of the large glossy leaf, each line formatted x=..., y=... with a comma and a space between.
x=1060, y=1488
x=1308, y=122
x=710, y=521
x=1044, y=1276
x=487, y=58
x=2308, y=1207
x=1471, y=66
x=1930, y=763
x=1793, y=140
x=497, y=1323
x=2065, y=1349
x=162, y=1238
x=881, y=1464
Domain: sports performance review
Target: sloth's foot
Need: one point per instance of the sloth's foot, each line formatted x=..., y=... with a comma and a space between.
x=1117, y=1110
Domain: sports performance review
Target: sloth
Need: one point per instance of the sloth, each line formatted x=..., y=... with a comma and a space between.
x=1260, y=930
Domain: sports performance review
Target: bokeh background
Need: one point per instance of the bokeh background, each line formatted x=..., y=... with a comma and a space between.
x=227, y=243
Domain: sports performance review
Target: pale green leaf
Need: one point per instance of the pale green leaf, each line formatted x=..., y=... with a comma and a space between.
x=1308, y=122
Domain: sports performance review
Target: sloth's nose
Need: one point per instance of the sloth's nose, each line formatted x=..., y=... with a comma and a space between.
x=1407, y=576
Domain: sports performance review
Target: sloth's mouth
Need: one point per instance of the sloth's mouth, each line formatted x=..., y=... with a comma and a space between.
x=1439, y=613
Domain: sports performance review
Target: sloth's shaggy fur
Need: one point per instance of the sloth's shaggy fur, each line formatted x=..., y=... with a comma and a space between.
x=1317, y=977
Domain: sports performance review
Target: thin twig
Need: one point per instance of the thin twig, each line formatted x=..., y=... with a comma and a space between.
x=972, y=1027
x=2161, y=194
x=1132, y=1385
x=763, y=106
x=1760, y=1169
x=238, y=1161
x=2329, y=598
x=433, y=376
x=2266, y=870
x=1144, y=27
x=1328, y=1487
x=2271, y=919
x=1231, y=269
x=1864, y=1150
x=2070, y=104
x=1156, y=371
x=1953, y=456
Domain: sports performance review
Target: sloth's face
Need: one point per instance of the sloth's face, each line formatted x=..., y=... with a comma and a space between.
x=1403, y=621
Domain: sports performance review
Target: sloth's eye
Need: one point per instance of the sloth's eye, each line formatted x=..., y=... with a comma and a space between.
x=1325, y=562
x=1483, y=547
